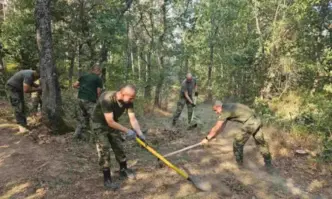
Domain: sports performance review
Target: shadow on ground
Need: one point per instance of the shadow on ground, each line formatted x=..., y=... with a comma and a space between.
x=58, y=167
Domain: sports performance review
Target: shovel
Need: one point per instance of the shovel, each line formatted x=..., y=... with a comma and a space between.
x=193, y=115
x=203, y=186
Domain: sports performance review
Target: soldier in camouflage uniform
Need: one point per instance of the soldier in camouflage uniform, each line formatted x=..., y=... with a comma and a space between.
x=188, y=87
x=20, y=83
x=110, y=106
x=89, y=89
x=251, y=126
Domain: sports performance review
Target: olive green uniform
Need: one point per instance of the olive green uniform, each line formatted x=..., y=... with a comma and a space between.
x=185, y=87
x=106, y=137
x=87, y=97
x=14, y=90
x=251, y=126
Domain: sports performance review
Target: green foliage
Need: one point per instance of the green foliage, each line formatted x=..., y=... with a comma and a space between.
x=258, y=51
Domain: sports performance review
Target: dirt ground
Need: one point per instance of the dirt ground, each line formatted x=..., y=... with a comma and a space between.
x=44, y=166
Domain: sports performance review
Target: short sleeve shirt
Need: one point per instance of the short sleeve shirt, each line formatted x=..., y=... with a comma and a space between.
x=188, y=86
x=88, y=87
x=20, y=78
x=107, y=103
x=235, y=112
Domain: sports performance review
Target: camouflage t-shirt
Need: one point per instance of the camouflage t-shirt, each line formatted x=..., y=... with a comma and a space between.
x=189, y=87
x=107, y=103
x=235, y=112
x=20, y=78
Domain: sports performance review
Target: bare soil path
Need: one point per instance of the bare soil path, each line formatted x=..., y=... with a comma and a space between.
x=44, y=166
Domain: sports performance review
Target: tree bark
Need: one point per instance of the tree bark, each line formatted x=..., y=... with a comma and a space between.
x=157, y=100
x=71, y=69
x=51, y=97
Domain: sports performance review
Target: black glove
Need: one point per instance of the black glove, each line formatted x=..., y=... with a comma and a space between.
x=196, y=93
x=194, y=105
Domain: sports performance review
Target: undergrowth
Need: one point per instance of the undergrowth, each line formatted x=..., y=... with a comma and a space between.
x=310, y=117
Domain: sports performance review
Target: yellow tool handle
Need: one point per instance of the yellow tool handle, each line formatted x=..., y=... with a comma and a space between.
x=155, y=153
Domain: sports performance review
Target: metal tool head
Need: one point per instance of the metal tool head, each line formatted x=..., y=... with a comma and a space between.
x=200, y=184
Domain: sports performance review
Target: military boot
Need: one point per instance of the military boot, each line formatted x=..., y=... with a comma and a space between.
x=108, y=180
x=125, y=172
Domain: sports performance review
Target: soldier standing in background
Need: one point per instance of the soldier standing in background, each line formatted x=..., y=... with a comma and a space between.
x=188, y=88
x=89, y=89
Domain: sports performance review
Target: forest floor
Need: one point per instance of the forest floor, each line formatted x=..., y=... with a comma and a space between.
x=44, y=166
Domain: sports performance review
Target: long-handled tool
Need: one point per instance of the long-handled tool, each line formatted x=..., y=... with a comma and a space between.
x=177, y=152
x=182, y=150
x=203, y=186
x=194, y=125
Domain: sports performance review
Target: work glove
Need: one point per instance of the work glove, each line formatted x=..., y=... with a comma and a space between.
x=196, y=93
x=194, y=105
x=205, y=141
x=130, y=134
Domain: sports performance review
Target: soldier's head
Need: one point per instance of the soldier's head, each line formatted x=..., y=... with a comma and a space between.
x=189, y=77
x=96, y=69
x=217, y=107
x=36, y=74
x=126, y=94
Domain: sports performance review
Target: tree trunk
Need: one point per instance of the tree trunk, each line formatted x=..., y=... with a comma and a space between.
x=147, y=89
x=71, y=69
x=138, y=62
x=209, y=98
x=103, y=58
x=51, y=96
x=157, y=100
x=80, y=55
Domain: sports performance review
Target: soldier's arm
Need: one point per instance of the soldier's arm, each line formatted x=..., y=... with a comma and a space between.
x=76, y=84
x=29, y=89
x=134, y=123
x=186, y=95
x=113, y=124
x=98, y=92
x=215, y=130
x=99, y=86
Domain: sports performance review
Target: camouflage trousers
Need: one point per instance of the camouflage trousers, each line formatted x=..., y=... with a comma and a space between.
x=179, y=108
x=251, y=128
x=16, y=98
x=85, y=110
x=105, y=140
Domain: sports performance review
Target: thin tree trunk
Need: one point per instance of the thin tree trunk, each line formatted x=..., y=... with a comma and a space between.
x=80, y=55
x=209, y=98
x=138, y=63
x=51, y=96
x=147, y=89
x=71, y=69
x=157, y=100
x=103, y=58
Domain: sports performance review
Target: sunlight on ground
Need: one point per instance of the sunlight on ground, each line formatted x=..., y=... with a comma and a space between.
x=40, y=193
x=316, y=185
x=15, y=190
x=8, y=125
